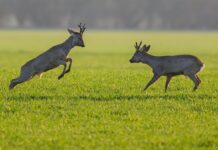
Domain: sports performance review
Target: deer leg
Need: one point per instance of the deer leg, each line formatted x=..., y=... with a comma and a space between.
x=69, y=68
x=155, y=78
x=22, y=78
x=195, y=80
x=167, y=82
x=199, y=80
x=64, y=70
x=40, y=75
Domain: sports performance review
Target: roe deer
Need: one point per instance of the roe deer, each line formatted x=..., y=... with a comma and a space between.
x=168, y=66
x=52, y=58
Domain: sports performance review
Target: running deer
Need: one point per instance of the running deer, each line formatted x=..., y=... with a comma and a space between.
x=168, y=66
x=52, y=58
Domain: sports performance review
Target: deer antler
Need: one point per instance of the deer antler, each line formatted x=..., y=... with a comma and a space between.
x=82, y=27
x=137, y=46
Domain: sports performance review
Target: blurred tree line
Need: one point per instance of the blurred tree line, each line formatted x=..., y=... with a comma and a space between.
x=110, y=14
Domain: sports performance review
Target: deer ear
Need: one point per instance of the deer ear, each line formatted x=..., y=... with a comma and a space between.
x=144, y=48
x=148, y=48
x=71, y=31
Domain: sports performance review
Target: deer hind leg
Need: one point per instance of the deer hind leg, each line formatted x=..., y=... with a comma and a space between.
x=154, y=78
x=40, y=75
x=24, y=76
x=167, y=82
x=199, y=80
x=64, y=70
x=69, y=68
x=196, y=81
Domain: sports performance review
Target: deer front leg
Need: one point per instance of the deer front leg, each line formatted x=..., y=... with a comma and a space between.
x=69, y=68
x=167, y=82
x=155, y=78
x=64, y=70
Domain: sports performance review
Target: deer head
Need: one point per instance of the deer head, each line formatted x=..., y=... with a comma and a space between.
x=140, y=52
x=78, y=36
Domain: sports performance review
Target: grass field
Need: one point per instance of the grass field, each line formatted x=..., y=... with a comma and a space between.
x=100, y=104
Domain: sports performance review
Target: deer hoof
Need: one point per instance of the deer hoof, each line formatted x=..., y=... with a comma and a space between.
x=194, y=90
x=60, y=77
x=67, y=71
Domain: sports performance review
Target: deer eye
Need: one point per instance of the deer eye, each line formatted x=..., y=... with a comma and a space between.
x=137, y=52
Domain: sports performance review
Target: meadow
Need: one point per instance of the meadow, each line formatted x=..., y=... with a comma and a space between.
x=101, y=104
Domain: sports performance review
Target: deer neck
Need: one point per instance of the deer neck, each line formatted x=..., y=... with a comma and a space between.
x=68, y=44
x=149, y=60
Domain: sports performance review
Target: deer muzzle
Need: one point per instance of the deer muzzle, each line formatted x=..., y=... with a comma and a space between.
x=131, y=61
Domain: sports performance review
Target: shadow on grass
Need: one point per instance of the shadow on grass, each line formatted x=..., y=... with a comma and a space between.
x=95, y=97
x=30, y=97
x=144, y=97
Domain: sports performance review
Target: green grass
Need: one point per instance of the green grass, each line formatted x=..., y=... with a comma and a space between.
x=100, y=104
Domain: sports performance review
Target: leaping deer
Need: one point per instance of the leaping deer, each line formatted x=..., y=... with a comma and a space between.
x=52, y=58
x=168, y=66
